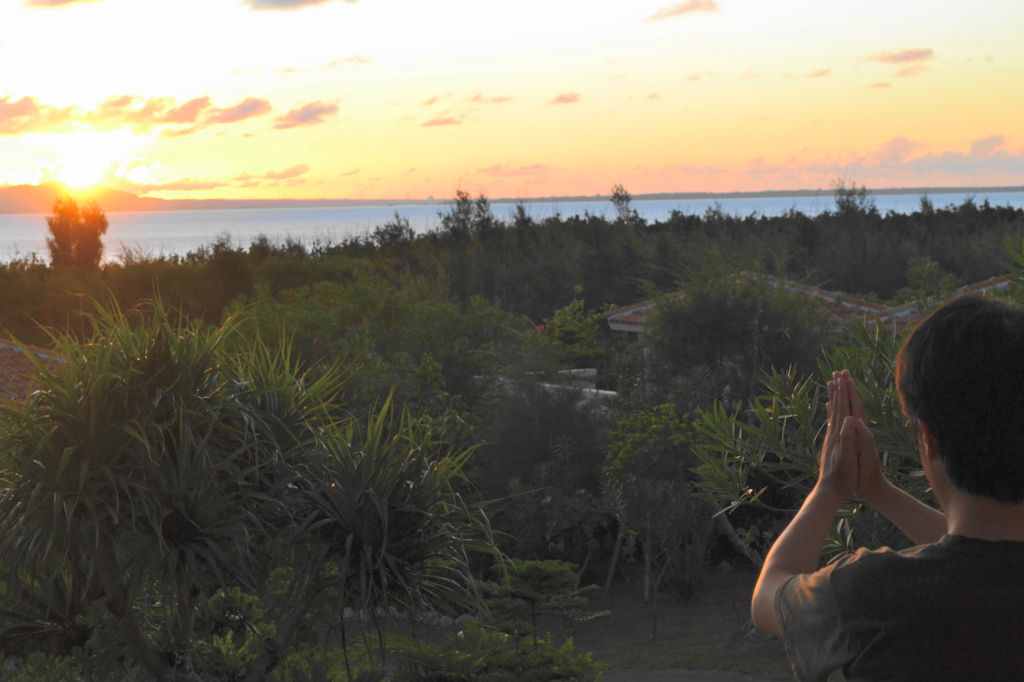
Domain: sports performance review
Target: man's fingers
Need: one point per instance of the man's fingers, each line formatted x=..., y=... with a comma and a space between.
x=856, y=407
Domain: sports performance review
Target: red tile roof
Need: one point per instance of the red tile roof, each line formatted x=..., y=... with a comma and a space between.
x=17, y=371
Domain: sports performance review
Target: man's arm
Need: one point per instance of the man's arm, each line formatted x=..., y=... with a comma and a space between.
x=798, y=549
x=919, y=522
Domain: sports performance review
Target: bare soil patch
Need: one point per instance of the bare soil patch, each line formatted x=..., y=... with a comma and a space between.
x=711, y=631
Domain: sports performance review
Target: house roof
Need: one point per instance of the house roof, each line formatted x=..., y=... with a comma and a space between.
x=843, y=309
x=17, y=371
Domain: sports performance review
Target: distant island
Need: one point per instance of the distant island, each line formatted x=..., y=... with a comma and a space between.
x=40, y=198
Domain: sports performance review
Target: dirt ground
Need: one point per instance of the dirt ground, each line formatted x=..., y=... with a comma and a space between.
x=707, y=638
x=617, y=675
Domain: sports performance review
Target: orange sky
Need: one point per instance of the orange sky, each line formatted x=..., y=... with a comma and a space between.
x=415, y=98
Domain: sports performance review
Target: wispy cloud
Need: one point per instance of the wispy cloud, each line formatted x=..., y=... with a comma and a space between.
x=500, y=170
x=919, y=54
x=877, y=86
x=314, y=113
x=56, y=3
x=685, y=7
x=906, y=162
x=478, y=98
x=140, y=114
x=443, y=120
x=354, y=60
x=820, y=73
x=287, y=4
x=566, y=98
x=914, y=70
x=247, y=108
x=290, y=176
x=353, y=172
x=436, y=99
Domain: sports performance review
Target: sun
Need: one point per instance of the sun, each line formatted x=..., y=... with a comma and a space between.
x=80, y=173
x=83, y=159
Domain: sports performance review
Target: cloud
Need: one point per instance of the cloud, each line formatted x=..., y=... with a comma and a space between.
x=443, y=120
x=310, y=114
x=877, y=86
x=915, y=70
x=182, y=185
x=653, y=96
x=247, y=108
x=500, y=170
x=289, y=176
x=436, y=99
x=355, y=172
x=900, y=161
x=821, y=73
x=895, y=151
x=354, y=60
x=189, y=111
x=477, y=98
x=684, y=7
x=919, y=54
x=141, y=115
x=566, y=98
x=287, y=173
x=28, y=115
x=287, y=4
x=986, y=147
x=55, y=3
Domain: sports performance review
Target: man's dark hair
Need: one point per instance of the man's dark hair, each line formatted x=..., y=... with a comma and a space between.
x=961, y=372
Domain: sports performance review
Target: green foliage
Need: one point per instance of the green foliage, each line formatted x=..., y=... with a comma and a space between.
x=162, y=463
x=577, y=333
x=648, y=490
x=75, y=234
x=733, y=327
x=541, y=458
x=927, y=283
x=767, y=455
x=642, y=439
x=533, y=589
x=408, y=340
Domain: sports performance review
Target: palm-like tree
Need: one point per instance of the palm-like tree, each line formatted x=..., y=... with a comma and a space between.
x=160, y=463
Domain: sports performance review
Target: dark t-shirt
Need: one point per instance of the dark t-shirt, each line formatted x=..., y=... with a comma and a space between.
x=949, y=611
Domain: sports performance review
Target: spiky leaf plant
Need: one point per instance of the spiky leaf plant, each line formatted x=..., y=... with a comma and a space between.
x=159, y=464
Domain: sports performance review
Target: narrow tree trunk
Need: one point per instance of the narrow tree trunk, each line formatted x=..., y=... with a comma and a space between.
x=270, y=656
x=620, y=538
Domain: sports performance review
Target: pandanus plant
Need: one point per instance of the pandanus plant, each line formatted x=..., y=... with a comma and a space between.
x=164, y=460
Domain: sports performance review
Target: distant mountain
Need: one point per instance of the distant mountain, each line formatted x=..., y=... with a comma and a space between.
x=40, y=198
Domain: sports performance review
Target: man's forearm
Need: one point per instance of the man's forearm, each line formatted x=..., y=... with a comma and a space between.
x=919, y=522
x=796, y=551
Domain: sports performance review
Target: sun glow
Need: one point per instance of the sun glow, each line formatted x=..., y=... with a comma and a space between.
x=84, y=159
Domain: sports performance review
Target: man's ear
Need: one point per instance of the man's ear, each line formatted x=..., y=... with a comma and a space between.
x=926, y=441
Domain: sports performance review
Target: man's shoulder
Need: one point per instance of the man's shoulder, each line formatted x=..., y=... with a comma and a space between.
x=955, y=562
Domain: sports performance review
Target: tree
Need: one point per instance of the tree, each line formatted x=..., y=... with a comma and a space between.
x=76, y=234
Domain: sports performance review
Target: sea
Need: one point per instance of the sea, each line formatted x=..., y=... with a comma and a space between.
x=179, y=232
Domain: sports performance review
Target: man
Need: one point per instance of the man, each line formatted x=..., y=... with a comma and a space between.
x=951, y=608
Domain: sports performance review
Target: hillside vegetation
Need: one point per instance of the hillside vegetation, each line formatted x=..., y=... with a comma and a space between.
x=395, y=414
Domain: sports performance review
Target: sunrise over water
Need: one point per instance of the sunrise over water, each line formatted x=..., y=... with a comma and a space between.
x=303, y=99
